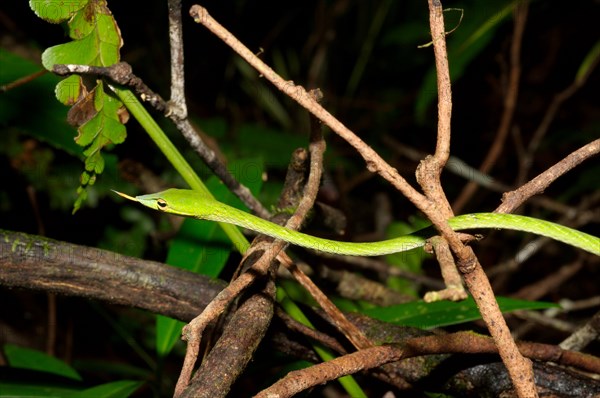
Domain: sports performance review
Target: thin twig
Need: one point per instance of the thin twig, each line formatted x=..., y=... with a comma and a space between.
x=584, y=335
x=120, y=73
x=177, y=111
x=373, y=161
x=317, y=149
x=512, y=200
x=177, y=103
x=460, y=342
x=297, y=327
x=454, y=165
x=428, y=175
x=24, y=80
x=267, y=250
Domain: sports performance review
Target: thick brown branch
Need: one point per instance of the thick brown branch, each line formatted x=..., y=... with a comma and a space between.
x=38, y=263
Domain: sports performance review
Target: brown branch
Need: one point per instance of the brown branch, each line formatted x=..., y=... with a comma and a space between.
x=510, y=102
x=454, y=288
x=38, y=263
x=177, y=104
x=512, y=200
x=257, y=261
x=374, y=162
x=460, y=342
x=236, y=346
x=317, y=149
x=428, y=174
x=297, y=381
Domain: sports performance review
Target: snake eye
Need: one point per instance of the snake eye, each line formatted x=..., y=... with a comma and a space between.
x=161, y=204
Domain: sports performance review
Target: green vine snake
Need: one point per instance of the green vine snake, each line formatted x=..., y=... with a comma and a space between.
x=189, y=203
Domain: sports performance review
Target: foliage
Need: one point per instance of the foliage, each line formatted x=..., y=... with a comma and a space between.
x=97, y=114
x=32, y=360
x=388, y=89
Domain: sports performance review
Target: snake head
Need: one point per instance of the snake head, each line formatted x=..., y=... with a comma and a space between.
x=153, y=201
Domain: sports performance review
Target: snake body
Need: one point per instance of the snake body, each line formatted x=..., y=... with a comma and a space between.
x=190, y=203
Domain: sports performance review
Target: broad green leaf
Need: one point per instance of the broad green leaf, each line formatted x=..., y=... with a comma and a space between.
x=80, y=52
x=55, y=11
x=116, y=389
x=31, y=389
x=445, y=313
x=97, y=39
x=26, y=358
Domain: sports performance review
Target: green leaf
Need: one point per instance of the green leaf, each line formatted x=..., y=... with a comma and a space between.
x=101, y=129
x=444, y=313
x=117, y=389
x=26, y=358
x=99, y=117
x=55, y=11
x=70, y=90
x=97, y=39
x=31, y=389
x=80, y=52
